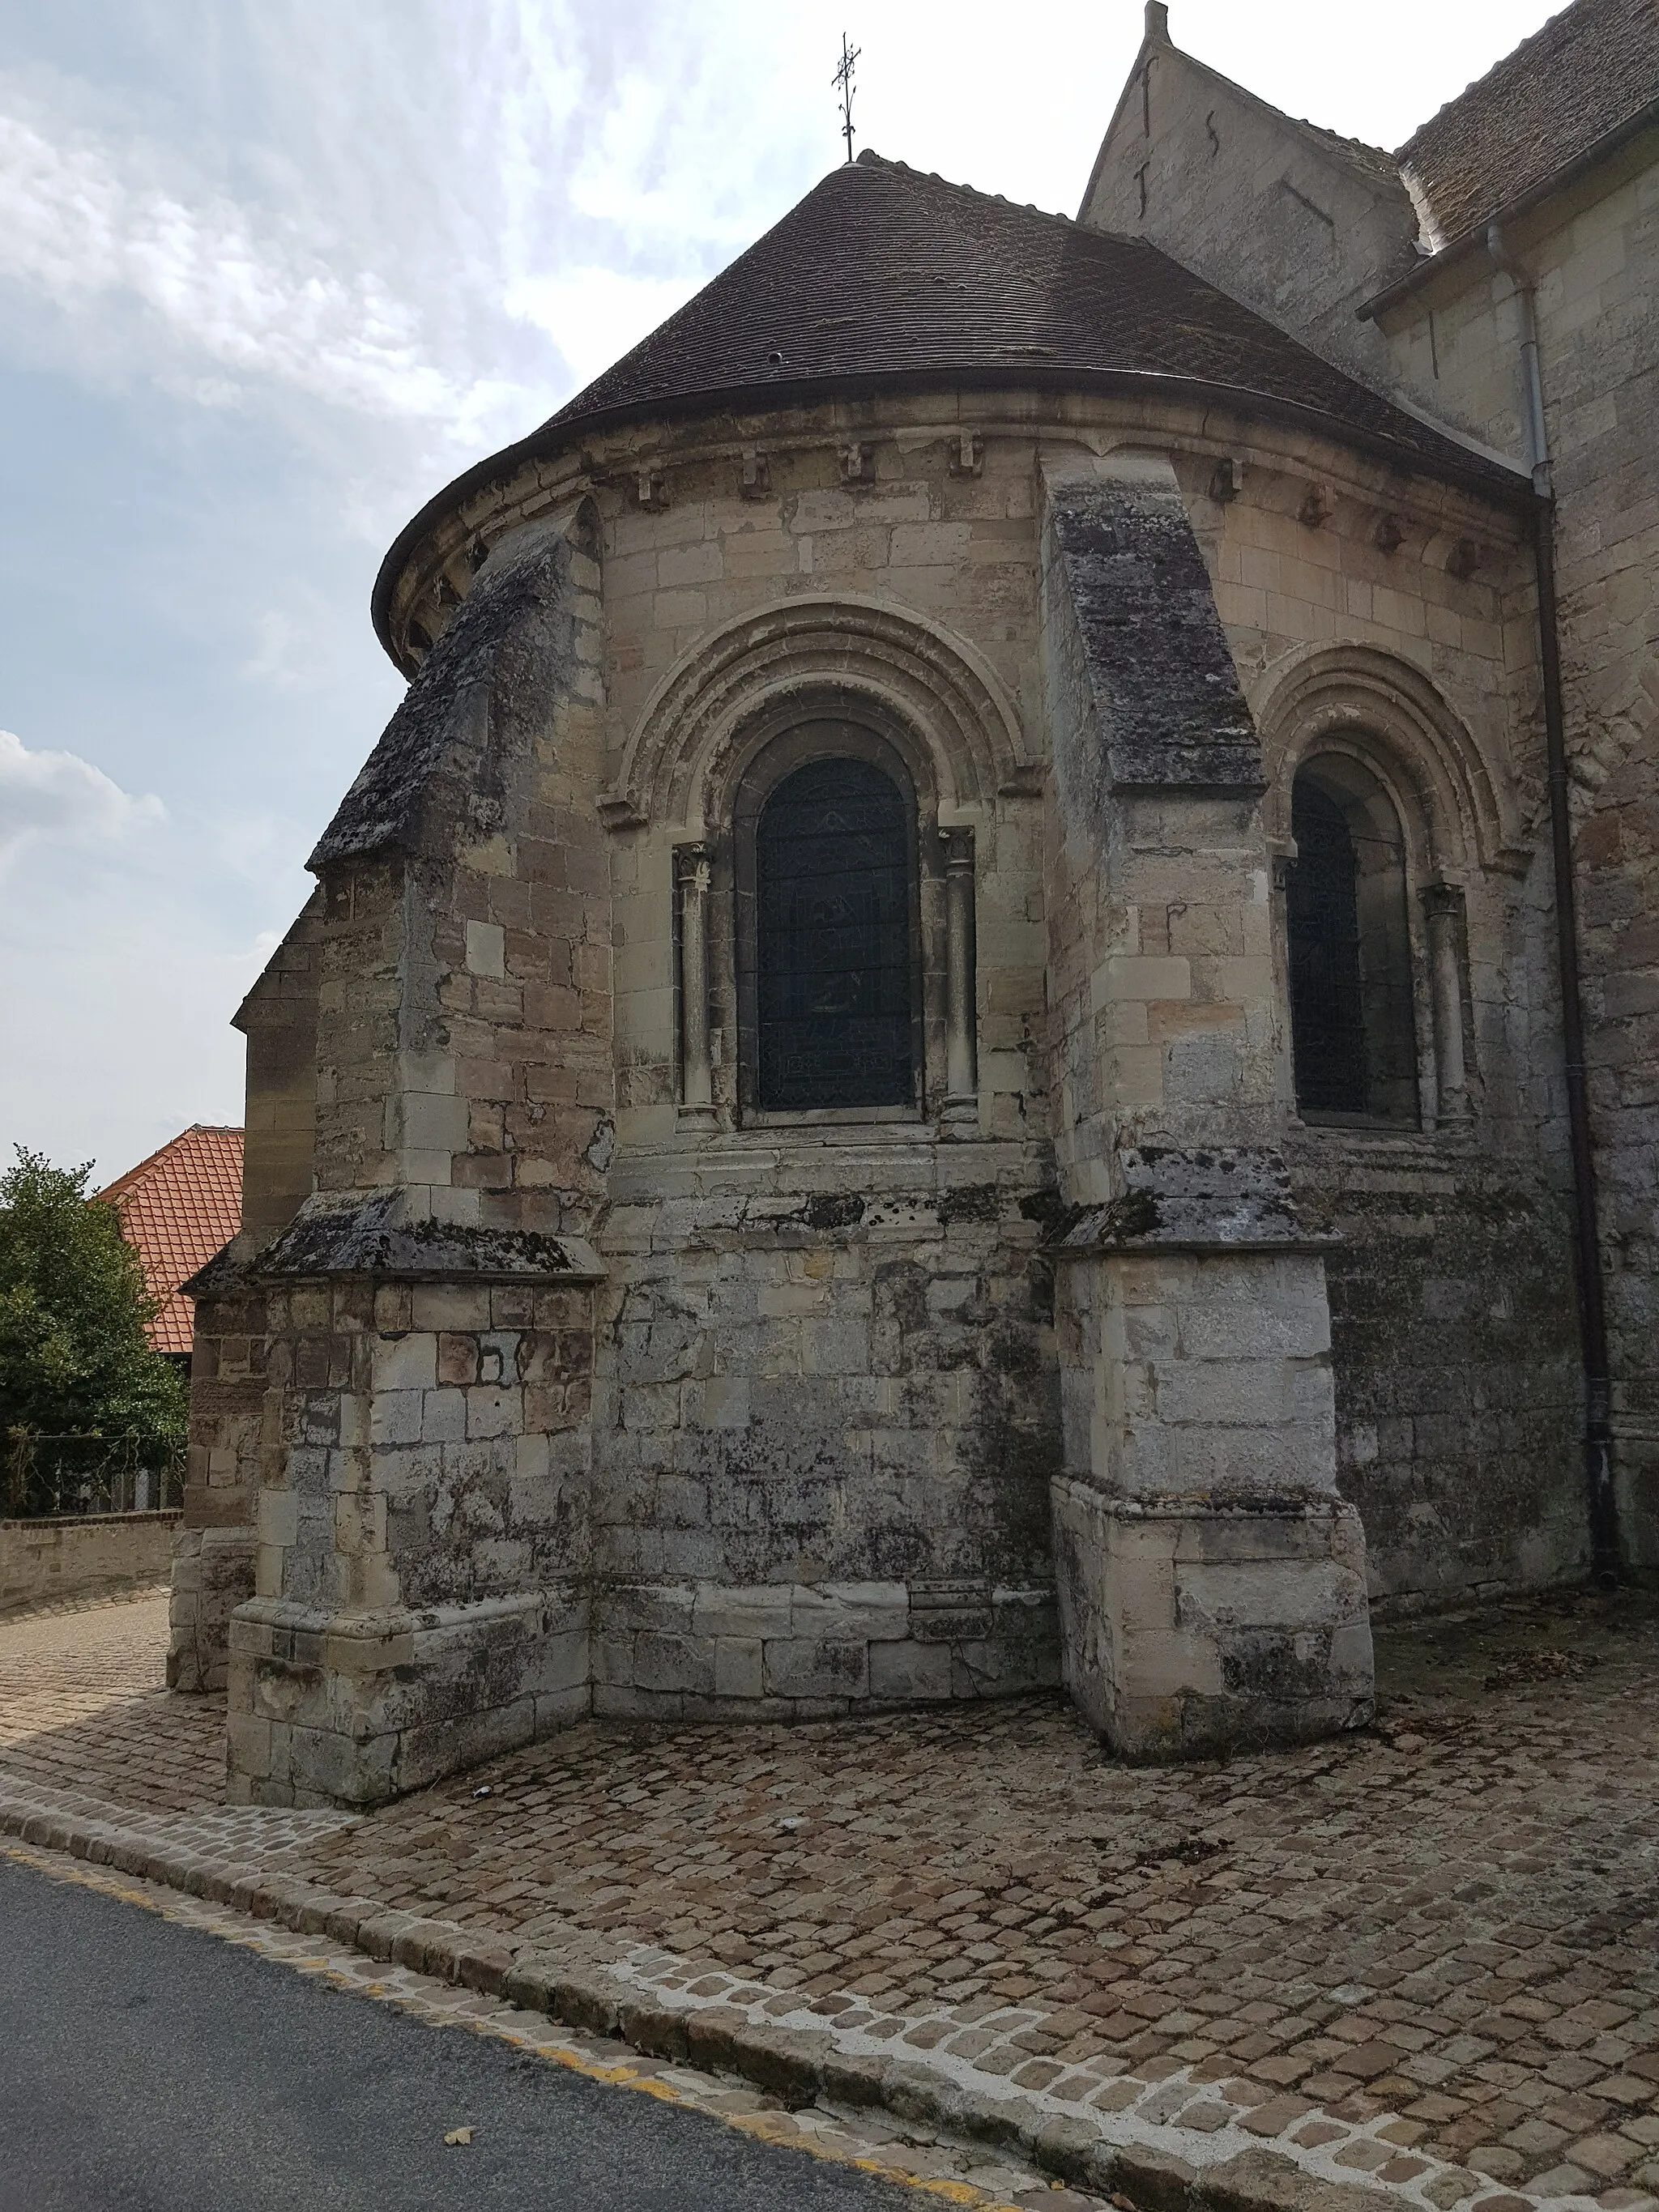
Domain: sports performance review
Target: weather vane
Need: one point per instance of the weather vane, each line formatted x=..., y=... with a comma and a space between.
x=843, y=80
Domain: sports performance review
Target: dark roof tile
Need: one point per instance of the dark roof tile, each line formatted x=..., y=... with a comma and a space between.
x=1590, y=69
x=881, y=273
x=882, y=277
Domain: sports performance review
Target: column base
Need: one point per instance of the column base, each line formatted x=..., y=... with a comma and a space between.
x=1190, y=1628
x=353, y=1708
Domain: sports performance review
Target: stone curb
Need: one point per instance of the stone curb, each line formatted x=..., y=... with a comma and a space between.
x=792, y=2064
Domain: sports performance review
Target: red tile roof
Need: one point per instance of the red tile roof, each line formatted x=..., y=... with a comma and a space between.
x=177, y=1209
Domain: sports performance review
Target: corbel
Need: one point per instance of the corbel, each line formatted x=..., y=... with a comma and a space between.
x=650, y=489
x=756, y=481
x=1316, y=509
x=1227, y=483
x=968, y=454
x=858, y=464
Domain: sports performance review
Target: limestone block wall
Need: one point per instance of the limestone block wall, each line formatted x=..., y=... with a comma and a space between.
x=826, y=1408
x=583, y=1384
x=824, y=1413
x=1298, y=224
x=92, y=1555
x=1458, y=1409
x=1592, y=255
x=876, y=505
x=1301, y=231
x=464, y=1046
x=425, y=1442
x=213, y=1550
x=1456, y=1355
x=278, y=1018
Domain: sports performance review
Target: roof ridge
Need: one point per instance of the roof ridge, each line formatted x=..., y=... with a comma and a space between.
x=1554, y=22
x=123, y=1182
x=974, y=193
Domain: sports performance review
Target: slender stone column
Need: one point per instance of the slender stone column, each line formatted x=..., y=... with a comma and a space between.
x=1443, y=908
x=1281, y=858
x=696, y=1071
x=961, y=1068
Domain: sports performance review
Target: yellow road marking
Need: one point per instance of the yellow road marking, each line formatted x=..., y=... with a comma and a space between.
x=620, y=2076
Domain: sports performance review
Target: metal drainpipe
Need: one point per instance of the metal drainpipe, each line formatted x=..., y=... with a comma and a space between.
x=1601, y=1498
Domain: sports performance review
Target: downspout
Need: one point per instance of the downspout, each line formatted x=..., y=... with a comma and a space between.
x=1602, y=1500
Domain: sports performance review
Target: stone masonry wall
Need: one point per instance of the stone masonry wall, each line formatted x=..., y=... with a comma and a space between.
x=1593, y=254
x=1299, y=230
x=826, y=1418
x=1299, y=225
x=576, y=1390
x=911, y=530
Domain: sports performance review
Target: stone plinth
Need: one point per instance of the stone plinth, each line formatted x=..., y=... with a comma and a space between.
x=353, y=1708
x=1212, y=1581
x=1190, y=1628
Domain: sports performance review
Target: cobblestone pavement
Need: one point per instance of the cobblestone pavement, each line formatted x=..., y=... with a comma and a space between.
x=84, y=1706
x=1426, y=1957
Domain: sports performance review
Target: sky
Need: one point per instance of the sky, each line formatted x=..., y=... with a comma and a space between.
x=272, y=271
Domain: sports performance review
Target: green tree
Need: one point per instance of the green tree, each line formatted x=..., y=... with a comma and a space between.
x=74, y=1357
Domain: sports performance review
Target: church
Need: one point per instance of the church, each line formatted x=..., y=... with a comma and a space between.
x=989, y=1020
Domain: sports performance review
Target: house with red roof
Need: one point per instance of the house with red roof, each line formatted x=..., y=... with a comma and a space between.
x=177, y=1209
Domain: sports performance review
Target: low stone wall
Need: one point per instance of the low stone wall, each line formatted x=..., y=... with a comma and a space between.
x=42, y=1561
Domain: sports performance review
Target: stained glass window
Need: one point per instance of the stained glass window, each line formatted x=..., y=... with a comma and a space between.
x=833, y=958
x=1328, y=1013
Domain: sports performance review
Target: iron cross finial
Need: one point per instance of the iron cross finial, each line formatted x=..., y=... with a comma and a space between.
x=843, y=80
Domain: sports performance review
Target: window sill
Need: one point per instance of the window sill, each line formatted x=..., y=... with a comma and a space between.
x=1373, y=1125
x=832, y=1117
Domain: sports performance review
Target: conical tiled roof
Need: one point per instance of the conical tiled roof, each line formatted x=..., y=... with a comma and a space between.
x=882, y=274
x=177, y=1209
x=882, y=277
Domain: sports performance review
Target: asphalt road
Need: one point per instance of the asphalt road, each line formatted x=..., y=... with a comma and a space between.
x=150, y=2067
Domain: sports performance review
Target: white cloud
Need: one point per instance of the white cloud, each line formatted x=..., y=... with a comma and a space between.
x=594, y=315
x=47, y=794
x=73, y=227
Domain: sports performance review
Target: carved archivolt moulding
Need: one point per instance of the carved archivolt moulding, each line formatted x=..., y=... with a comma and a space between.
x=901, y=665
x=1460, y=808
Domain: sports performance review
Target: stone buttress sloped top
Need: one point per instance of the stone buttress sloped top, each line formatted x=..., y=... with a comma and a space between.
x=882, y=277
x=1166, y=691
x=1590, y=70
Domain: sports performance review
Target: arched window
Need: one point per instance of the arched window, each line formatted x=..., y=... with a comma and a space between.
x=833, y=959
x=1352, y=1027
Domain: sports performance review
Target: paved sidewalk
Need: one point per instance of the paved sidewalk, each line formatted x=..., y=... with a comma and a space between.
x=84, y=1706
x=1426, y=1958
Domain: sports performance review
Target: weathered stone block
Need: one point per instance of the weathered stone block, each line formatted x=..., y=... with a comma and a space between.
x=797, y=1667
x=907, y=1670
x=1189, y=1627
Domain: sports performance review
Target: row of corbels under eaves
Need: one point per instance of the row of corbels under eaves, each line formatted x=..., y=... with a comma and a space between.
x=1318, y=505
x=648, y=489
x=857, y=460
